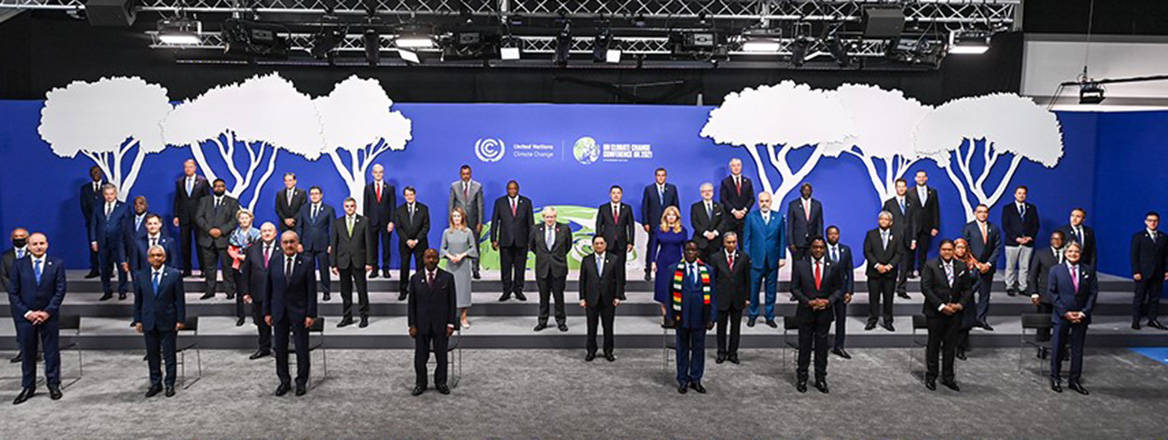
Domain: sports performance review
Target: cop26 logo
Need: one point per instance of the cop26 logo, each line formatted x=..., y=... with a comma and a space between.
x=489, y=149
x=586, y=150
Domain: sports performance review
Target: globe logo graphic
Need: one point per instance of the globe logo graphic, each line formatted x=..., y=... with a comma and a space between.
x=586, y=150
x=489, y=149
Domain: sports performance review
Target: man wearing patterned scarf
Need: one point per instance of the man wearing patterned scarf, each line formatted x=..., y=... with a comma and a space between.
x=692, y=293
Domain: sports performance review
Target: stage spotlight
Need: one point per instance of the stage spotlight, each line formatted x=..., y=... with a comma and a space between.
x=253, y=38
x=563, y=46
x=1090, y=93
x=326, y=40
x=413, y=38
x=179, y=32
x=409, y=56
x=969, y=42
x=372, y=46
x=510, y=49
x=799, y=50
x=602, y=49
x=838, y=50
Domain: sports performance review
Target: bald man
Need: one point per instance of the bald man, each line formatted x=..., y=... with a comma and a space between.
x=380, y=201
x=36, y=290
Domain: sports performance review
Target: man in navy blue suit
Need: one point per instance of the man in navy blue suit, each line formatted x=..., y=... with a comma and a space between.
x=817, y=284
x=91, y=198
x=841, y=255
x=37, y=288
x=985, y=243
x=762, y=236
x=159, y=313
x=290, y=306
x=694, y=312
x=1020, y=227
x=109, y=227
x=254, y=272
x=1073, y=289
x=1075, y=230
x=1149, y=265
x=804, y=222
x=154, y=236
x=654, y=199
x=314, y=226
x=431, y=319
x=141, y=209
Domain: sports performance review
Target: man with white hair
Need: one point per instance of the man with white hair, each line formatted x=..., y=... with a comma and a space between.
x=108, y=230
x=737, y=196
x=762, y=238
x=254, y=277
x=883, y=253
x=551, y=242
x=709, y=220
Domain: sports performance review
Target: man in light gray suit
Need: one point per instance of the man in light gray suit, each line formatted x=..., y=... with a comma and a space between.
x=467, y=194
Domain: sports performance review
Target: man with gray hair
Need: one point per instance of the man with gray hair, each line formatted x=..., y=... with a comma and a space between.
x=551, y=242
x=159, y=312
x=109, y=227
x=254, y=277
x=882, y=250
x=709, y=220
x=737, y=196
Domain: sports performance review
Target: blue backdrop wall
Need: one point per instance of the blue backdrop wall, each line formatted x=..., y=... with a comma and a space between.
x=39, y=190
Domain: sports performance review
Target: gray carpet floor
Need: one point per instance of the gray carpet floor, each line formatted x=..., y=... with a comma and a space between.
x=538, y=394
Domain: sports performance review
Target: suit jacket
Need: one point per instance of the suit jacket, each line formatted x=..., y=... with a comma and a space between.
x=732, y=198
x=733, y=283
x=689, y=306
x=380, y=213
x=552, y=262
x=290, y=297
x=651, y=204
x=112, y=231
x=984, y=251
x=1062, y=292
x=140, y=252
x=847, y=266
x=1148, y=258
x=315, y=232
x=6, y=261
x=800, y=231
x=187, y=206
x=253, y=271
x=472, y=204
x=432, y=309
x=1044, y=259
x=137, y=230
x=223, y=218
x=26, y=294
x=763, y=240
x=511, y=230
x=876, y=253
x=803, y=287
x=701, y=222
x=412, y=229
x=352, y=251
x=1090, y=252
x=935, y=285
x=601, y=288
x=163, y=309
x=901, y=221
x=618, y=234
x=89, y=199
x=923, y=217
x=286, y=211
x=1014, y=225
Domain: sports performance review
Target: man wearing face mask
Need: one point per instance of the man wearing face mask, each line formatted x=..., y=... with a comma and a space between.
x=215, y=220
x=19, y=250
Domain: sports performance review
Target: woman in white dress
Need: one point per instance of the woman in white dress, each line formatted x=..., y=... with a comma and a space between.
x=458, y=248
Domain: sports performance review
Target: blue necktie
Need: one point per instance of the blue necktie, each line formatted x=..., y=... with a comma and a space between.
x=37, y=270
x=599, y=266
x=661, y=196
x=157, y=275
x=902, y=207
x=834, y=256
x=190, y=186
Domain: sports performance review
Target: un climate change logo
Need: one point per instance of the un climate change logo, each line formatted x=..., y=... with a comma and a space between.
x=489, y=149
x=586, y=150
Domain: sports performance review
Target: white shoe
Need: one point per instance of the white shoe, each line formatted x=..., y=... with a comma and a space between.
x=466, y=324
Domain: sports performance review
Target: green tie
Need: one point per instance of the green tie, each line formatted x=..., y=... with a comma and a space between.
x=350, y=225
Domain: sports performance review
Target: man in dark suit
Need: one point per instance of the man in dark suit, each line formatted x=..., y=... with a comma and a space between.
x=654, y=199
x=708, y=219
x=432, y=319
x=614, y=220
x=1019, y=228
x=882, y=250
x=159, y=313
x=551, y=242
x=1044, y=260
x=840, y=255
x=288, y=203
x=692, y=291
x=924, y=218
x=141, y=209
x=467, y=193
x=254, y=276
x=290, y=306
x=985, y=242
x=732, y=276
x=511, y=220
x=1149, y=265
x=1076, y=231
x=804, y=222
x=107, y=236
x=737, y=196
x=35, y=293
x=380, y=201
x=817, y=284
x=314, y=227
x=412, y=220
x=1073, y=289
x=762, y=239
x=602, y=288
x=91, y=198
x=943, y=282
x=351, y=253
x=898, y=205
x=19, y=250
x=215, y=220
x=138, y=253
x=188, y=189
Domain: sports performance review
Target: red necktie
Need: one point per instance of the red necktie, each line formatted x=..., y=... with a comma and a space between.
x=615, y=215
x=513, y=213
x=378, y=193
x=817, y=279
x=267, y=256
x=738, y=185
x=731, y=261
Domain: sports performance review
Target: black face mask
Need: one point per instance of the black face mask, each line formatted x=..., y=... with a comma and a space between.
x=19, y=242
x=219, y=193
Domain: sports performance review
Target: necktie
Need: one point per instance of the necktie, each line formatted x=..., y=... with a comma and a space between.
x=156, y=276
x=817, y=275
x=137, y=222
x=615, y=214
x=1021, y=210
x=378, y=192
x=109, y=207
x=267, y=254
x=884, y=238
x=96, y=187
x=949, y=273
x=37, y=270
x=923, y=194
x=315, y=211
x=411, y=212
x=984, y=237
x=550, y=237
x=514, y=210
x=1075, y=277
x=291, y=194
x=190, y=186
x=1079, y=235
x=731, y=261
x=1058, y=255
x=834, y=255
x=901, y=206
x=350, y=225
x=600, y=266
x=766, y=218
x=709, y=211
x=287, y=269
x=661, y=195
x=693, y=273
x=1151, y=235
x=430, y=279
x=217, y=202
x=19, y=254
x=738, y=185
x=153, y=241
x=807, y=210
x=466, y=191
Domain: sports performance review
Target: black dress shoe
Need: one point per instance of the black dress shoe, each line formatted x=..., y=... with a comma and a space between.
x=153, y=391
x=609, y=357
x=931, y=384
x=697, y=387
x=259, y=354
x=733, y=358
x=476, y=275
x=772, y=324
x=821, y=385
x=801, y=385
x=1077, y=387
x=385, y=274
x=750, y=322
x=121, y=296
x=721, y=358
x=951, y=384
x=1135, y=325
x=520, y=296
x=207, y=296
x=106, y=296
x=1011, y=292
x=442, y=388
x=345, y=322
x=169, y=391
x=504, y=297
x=987, y=327
x=230, y=296
x=95, y=274
x=24, y=395
x=364, y=322
x=682, y=388
x=16, y=359
x=283, y=389
x=540, y=326
x=184, y=274
x=841, y=353
x=301, y=390
x=418, y=390
x=1043, y=353
x=239, y=322
x=55, y=391
x=869, y=326
x=402, y=296
x=372, y=275
x=562, y=326
x=589, y=357
x=1056, y=385
x=1155, y=324
x=903, y=295
x=326, y=297
x=961, y=354
x=888, y=326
